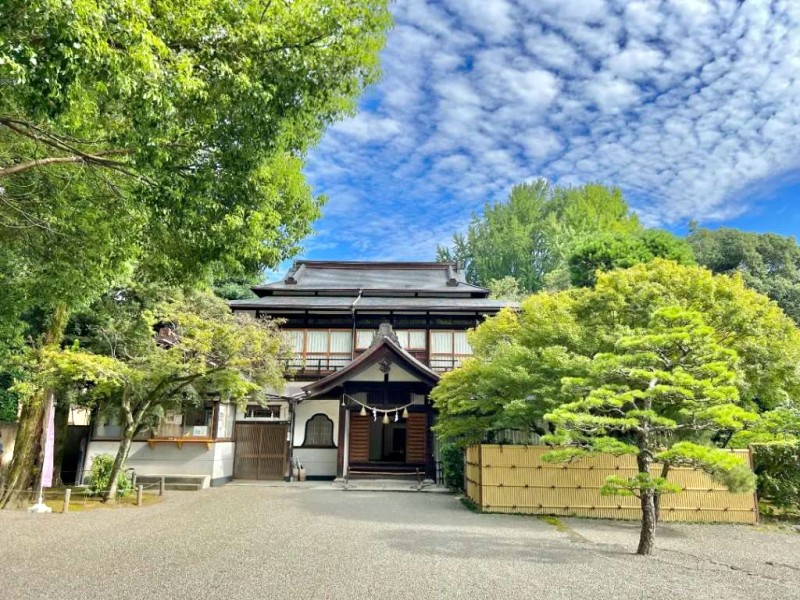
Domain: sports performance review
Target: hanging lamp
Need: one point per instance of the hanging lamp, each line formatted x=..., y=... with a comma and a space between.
x=405, y=412
x=362, y=412
x=385, y=419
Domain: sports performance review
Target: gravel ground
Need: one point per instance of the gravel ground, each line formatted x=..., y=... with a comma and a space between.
x=255, y=542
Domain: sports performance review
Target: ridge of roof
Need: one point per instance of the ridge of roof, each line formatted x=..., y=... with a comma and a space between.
x=307, y=275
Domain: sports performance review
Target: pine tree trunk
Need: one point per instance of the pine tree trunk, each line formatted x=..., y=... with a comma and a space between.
x=119, y=462
x=647, y=536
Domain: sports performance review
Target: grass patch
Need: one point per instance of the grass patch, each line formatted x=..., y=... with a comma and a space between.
x=780, y=518
x=80, y=501
x=555, y=522
x=471, y=506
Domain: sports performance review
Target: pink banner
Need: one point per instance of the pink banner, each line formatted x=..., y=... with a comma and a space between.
x=48, y=438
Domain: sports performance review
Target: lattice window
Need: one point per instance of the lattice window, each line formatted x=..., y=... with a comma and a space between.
x=319, y=432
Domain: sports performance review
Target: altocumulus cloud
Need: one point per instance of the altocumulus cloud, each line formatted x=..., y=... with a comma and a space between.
x=682, y=103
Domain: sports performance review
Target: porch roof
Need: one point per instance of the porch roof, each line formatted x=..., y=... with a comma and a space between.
x=384, y=348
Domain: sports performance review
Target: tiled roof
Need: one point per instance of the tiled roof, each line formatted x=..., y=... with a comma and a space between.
x=343, y=303
x=397, y=276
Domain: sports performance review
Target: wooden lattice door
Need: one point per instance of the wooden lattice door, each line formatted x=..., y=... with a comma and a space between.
x=261, y=451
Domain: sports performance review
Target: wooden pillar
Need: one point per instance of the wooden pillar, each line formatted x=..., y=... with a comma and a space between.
x=346, y=458
x=341, y=438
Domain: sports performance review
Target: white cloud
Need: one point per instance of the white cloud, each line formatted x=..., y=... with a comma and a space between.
x=684, y=104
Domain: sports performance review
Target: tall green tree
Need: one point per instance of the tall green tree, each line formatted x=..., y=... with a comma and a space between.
x=661, y=395
x=521, y=356
x=162, y=138
x=609, y=251
x=767, y=262
x=530, y=236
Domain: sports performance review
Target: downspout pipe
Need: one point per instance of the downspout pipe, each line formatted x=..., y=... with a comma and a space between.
x=353, y=314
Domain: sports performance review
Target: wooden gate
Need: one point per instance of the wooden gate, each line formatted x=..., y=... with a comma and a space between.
x=261, y=451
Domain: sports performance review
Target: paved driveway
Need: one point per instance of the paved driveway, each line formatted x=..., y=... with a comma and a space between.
x=256, y=542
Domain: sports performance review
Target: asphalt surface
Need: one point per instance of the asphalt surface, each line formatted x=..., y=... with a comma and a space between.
x=255, y=542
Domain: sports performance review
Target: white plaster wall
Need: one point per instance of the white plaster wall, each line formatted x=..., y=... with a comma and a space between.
x=162, y=459
x=319, y=462
x=374, y=373
x=307, y=409
x=223, y=460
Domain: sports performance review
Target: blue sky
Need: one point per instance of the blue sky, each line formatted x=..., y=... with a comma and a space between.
x=692, y=107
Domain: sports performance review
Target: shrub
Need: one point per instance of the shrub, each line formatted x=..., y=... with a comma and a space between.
x=778, y=468
x=100, y=476
x=453, y=466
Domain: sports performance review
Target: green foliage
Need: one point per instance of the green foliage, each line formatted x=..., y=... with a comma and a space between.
x=452, y=456
x=530, y=236
x=100, y=476
x=505, y=288
x=615, y=485
x=624, y=250
x=768, y=263
x=165, y=137
x=521, y=357
x=777, y=466
x=235, y=288
x=667, y=388
x=722, y=465
x=9, y=399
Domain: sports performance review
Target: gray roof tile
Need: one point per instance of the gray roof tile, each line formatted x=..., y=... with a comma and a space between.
x=342, y=275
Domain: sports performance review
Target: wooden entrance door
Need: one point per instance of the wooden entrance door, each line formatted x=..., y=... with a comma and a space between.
x=261, y=451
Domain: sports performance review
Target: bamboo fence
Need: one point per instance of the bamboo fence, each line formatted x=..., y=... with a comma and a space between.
x=514, y=479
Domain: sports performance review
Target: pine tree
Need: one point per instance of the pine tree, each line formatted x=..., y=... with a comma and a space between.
x=661, y=395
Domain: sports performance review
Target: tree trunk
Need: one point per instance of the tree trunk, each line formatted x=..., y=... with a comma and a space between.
x=647, y=536
x=119, y=462
x=29, y=429
x=26, y=450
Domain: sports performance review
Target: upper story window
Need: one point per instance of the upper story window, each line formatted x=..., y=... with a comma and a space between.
x=410, y=339
x=270, y=411
x=448, y=349
x=320, y=349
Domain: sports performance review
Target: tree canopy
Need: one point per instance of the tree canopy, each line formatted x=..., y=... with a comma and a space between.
x=530, y=236
x=767, y=262
x=514, y=377
x=608, y=251
x=167, y=135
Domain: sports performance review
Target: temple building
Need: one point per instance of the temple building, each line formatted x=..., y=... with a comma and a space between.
x=370, y=340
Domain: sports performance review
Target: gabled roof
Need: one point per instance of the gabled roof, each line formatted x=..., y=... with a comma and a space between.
x=338, y=276
x=383, y=348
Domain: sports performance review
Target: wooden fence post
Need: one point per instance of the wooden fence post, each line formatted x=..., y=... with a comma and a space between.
x=161, y=486
x=139, y=492
x=67, y=495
